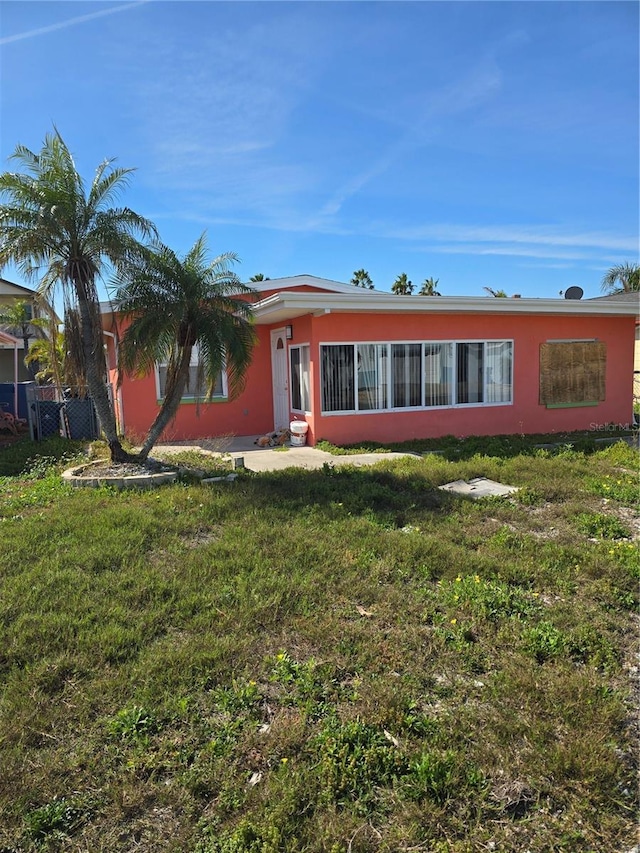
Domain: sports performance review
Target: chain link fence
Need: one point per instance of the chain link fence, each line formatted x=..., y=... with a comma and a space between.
x=67, y=412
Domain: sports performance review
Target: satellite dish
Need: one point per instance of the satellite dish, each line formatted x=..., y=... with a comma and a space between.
x=574, y=293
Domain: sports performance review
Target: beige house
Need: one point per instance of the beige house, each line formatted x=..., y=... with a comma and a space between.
x=9, y=294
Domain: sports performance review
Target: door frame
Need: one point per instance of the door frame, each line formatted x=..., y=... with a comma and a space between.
x=281, y=407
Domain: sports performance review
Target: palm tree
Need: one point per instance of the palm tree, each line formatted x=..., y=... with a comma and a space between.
x=178, y=304
x=499, y=294
x=19, y=316
x=429, y=286
x=48, y=355
x=259, y=277
x=623, y=278
x=54, y=230
x=361, y=278
x=402, y=285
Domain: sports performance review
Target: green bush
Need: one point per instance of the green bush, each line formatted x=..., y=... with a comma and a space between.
x=54, y=820
x=597, y=525
x=544, y=642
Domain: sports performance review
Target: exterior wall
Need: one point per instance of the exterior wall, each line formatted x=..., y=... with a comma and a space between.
x=525, y=415
x=251, y=413
x=7, y=365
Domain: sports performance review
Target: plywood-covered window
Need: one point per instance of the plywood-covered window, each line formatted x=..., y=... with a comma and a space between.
x=572, y=373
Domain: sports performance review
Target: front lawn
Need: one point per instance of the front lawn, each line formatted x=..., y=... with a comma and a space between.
x=341, y=661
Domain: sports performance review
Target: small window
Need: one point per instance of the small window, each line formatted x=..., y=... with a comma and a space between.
x=194, y=389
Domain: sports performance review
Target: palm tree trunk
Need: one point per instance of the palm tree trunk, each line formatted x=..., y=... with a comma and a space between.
x=96, y=372
x=173, y=395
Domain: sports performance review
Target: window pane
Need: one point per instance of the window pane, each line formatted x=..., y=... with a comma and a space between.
x=406, y=375
x=470, y=373
x=372, y=376
x=304, y=375
x=338, y=391
x=299, y=361
x=438, y=374
x=296, y=400
x=192, y=390
x=499, y=367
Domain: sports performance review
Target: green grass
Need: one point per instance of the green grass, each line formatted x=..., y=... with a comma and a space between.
x=338, y=660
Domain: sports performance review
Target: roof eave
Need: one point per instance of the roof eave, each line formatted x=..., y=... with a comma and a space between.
x=287, y=305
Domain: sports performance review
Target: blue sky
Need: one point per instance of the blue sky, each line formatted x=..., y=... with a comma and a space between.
x=481, y=143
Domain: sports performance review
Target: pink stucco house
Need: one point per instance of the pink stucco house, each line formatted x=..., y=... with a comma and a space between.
x=360, y=364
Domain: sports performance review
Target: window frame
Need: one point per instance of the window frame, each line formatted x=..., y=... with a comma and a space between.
x=189, y=397
x=301, y=389
x=422, y=407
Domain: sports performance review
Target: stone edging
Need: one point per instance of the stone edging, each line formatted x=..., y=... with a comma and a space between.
x=76, y=477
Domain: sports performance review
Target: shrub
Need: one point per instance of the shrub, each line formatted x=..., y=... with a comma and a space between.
x=355, y=759
x=134, y=723
x=597, y=525
x=53, y=820
x=544, y=641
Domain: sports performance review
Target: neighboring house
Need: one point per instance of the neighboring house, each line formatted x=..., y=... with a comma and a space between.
x=361, y=364
x=10, y=293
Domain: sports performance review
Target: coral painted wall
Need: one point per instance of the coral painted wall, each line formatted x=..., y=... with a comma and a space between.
x=249, y=414
x=252, y=412
x=525, y=415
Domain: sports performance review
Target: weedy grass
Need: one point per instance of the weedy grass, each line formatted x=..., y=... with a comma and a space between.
x=346, y=660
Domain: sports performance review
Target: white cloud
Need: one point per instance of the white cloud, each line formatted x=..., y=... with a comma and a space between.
x=70, y=22
x=532, y=235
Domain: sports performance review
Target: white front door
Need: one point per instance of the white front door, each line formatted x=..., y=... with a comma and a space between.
x=280, y=379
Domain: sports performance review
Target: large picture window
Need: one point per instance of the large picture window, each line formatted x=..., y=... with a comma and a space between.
x=387, y=376
x=299, y=363
x=195, y=390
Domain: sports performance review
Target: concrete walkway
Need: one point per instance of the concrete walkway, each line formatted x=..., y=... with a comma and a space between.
x=272, y=458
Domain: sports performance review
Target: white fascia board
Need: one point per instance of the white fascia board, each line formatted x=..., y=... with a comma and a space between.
x=286, y=305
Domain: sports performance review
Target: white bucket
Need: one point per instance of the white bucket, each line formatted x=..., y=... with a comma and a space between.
x=298, y=430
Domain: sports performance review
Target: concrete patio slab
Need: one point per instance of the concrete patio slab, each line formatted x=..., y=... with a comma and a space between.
x=479, y=487
x=275, y=458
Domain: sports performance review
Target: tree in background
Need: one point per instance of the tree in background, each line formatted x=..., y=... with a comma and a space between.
x=19, y=318
x=176, y=305
x=402, y=286
x=623, y=278
x=500, y=294
x=429, y=287
x=361, y=278
x=56, y=231
x=259, y=277
x=48, y=355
